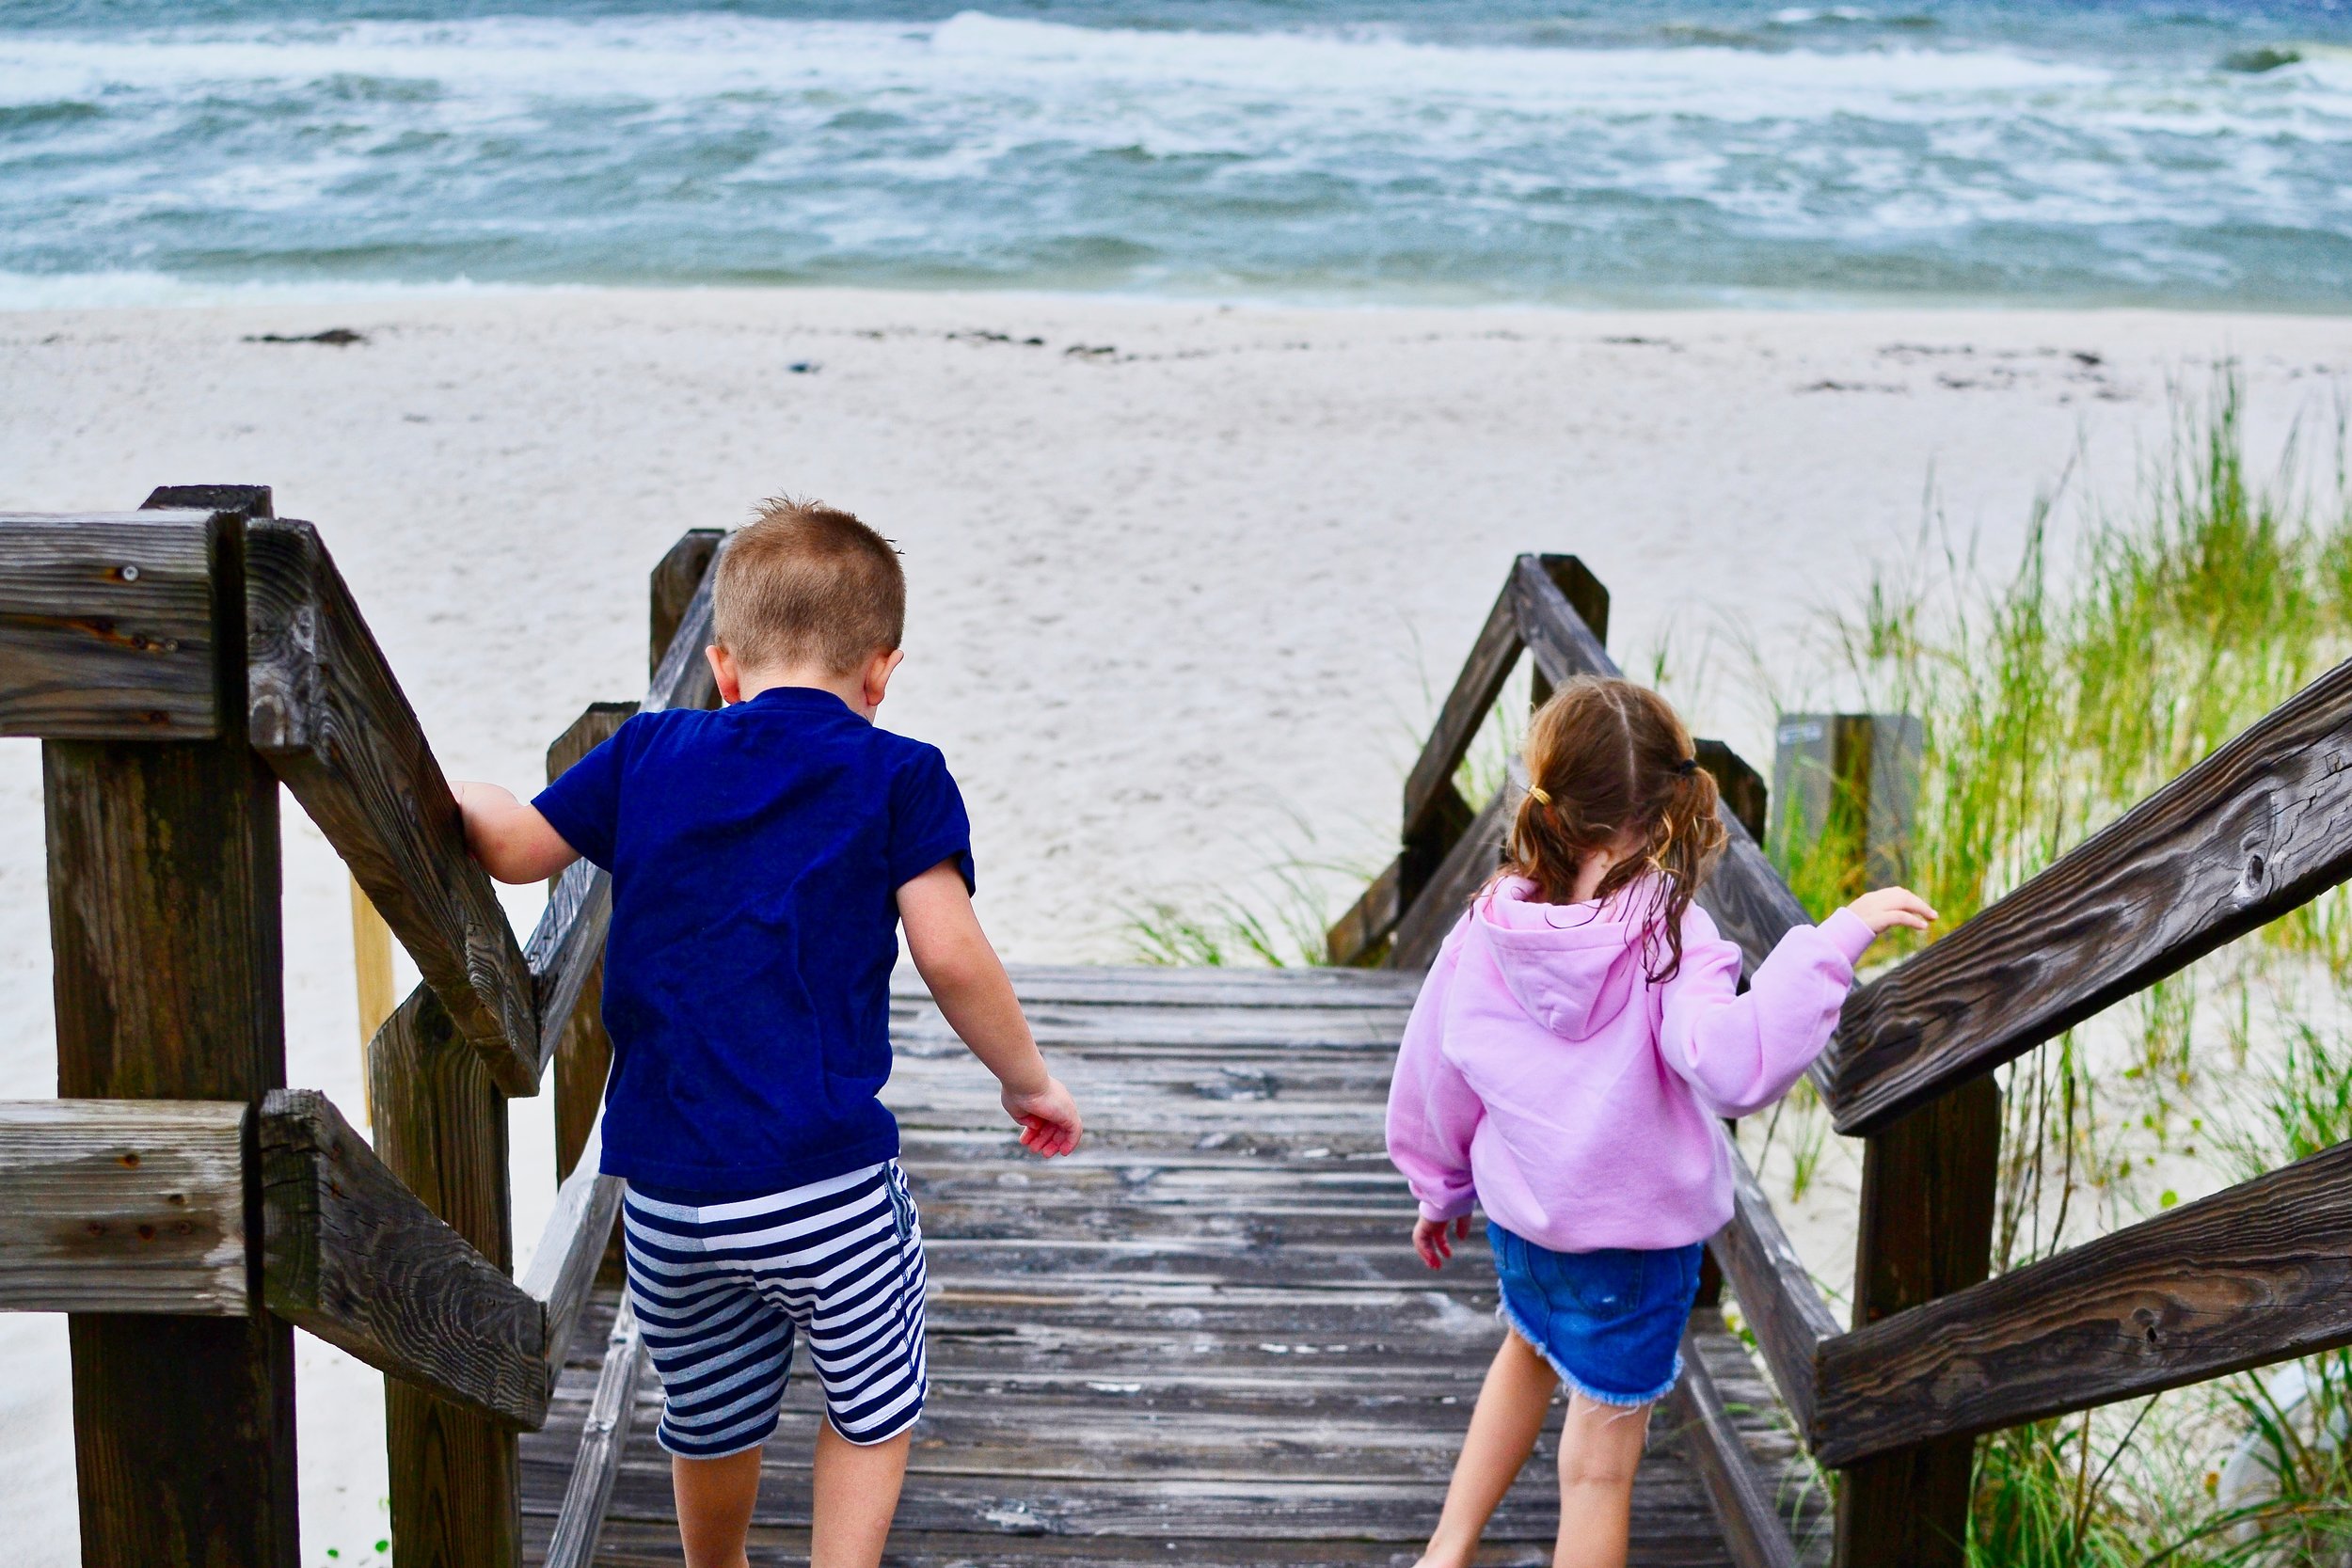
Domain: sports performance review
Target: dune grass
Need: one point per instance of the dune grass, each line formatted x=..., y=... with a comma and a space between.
x=2052, y=699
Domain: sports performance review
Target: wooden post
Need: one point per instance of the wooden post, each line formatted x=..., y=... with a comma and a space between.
x=372, y=970
x=163, y=920
x=441, y=1127
x=1928, y=1198
x=584, y=1053
x=674, y=579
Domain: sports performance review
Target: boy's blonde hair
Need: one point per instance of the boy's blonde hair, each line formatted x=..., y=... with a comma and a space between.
x=805, y=583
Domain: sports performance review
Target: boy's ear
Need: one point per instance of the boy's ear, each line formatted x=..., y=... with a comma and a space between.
x=724, y=671
x=878, y=672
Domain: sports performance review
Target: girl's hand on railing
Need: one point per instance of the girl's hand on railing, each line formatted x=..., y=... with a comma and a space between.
x=1430, y=1240
x=1890, y=907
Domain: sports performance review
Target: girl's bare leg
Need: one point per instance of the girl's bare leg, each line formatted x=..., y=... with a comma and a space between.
x=1600, y=1448
x=1503, y=1433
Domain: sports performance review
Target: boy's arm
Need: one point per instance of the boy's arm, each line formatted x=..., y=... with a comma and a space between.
x=514, y=843
x=966, y=979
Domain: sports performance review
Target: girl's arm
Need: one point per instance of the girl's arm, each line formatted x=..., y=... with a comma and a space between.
x=1741, y=1052
x=1433, y=1113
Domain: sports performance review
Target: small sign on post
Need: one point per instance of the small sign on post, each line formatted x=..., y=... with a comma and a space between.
x=1850, y=780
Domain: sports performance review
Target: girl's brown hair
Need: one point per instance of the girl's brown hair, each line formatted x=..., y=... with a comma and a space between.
x=1608, y=759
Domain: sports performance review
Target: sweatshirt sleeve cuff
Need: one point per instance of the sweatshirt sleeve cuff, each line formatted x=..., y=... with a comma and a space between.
x=1846, y=932
x=1438, y=1213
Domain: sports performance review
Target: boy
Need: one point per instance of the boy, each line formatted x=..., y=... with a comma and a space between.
x=761, y=854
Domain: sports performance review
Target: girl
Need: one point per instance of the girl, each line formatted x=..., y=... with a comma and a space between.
x=1578, y=1038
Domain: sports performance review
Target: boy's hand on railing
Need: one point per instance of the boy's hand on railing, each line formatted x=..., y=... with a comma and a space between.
x=510, y=839
x=1890, y=907
x=1431, y=1242
x=1048, y=1119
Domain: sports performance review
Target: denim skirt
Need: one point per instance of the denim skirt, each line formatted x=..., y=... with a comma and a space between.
x=1609, y=1321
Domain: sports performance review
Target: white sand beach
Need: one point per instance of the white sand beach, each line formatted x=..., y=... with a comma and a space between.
x=1184, y=577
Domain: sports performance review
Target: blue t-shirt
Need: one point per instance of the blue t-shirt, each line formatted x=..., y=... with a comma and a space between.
x=756, y=852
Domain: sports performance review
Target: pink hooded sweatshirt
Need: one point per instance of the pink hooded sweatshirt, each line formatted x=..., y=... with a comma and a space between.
x=1544, y=1078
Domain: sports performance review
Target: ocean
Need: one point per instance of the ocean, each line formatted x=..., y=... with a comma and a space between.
x=2174, y=153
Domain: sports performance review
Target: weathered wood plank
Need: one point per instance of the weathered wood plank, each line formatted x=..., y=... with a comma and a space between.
x=440, y=1126
x=1742, y=1498
x=2260, y=827
x=106, y=627
x=124, y=1206
x=2257, y=1274
x=603, y=1440
x=352, y=1255
x=563, y=1268
x=164, y=927
x=1778, y=1295
x=1466, y=868
x=326, y=712
x=1928, y=1197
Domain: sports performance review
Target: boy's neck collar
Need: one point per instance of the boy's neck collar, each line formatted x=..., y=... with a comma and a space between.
x=788, y=692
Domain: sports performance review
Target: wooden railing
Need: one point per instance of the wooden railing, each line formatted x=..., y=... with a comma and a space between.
x=1939, y=1353
x=180, y=663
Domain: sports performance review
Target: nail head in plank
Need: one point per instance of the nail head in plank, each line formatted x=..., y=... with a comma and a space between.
x=106, y=627
x=124, y=1206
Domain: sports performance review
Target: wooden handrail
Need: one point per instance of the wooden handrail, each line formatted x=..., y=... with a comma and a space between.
x=325, y=710
x=2260, y=827
x=1422, y=930
x=351, y=1255
x=1465, y=708
x=1783, y=1307
x=2250, y=1276
x=562, y=1270
x=1754, y=1532
x=568, y=940
x=603, y=1438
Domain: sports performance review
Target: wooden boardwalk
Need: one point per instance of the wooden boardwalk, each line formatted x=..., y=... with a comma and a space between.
x=1204, y=1339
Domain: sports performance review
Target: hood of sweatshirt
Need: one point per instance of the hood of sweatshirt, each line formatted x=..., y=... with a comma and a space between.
x=1574, y=967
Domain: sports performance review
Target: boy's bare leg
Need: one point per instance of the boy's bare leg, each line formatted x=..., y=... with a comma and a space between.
x=1600, y=1448
x=857, y=1493
x=1503, y=1433
x=714, y=1506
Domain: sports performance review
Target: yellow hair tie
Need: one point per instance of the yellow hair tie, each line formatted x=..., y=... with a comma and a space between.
x=1542, y=795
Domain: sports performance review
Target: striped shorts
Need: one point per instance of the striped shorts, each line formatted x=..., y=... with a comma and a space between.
x=720, y=1289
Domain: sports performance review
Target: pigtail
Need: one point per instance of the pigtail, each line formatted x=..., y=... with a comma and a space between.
x=1606, y=759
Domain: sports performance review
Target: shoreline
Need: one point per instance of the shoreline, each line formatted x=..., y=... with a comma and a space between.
x=24, y=293
x=1186, y=580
